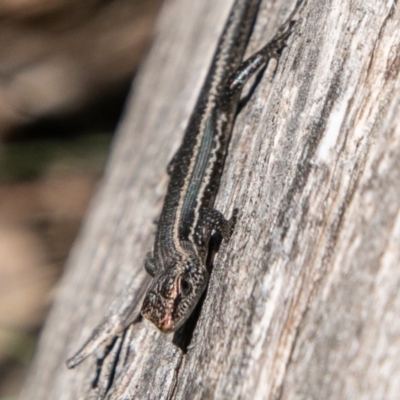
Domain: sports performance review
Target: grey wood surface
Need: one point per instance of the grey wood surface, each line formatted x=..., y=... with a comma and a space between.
x=304, y=301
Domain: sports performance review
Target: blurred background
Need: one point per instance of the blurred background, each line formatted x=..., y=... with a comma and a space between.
x=66, y=68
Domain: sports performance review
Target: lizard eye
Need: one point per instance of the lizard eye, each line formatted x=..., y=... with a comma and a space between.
x=186, y=286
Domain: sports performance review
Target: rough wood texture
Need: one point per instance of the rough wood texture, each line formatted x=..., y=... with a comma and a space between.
x=304, y=302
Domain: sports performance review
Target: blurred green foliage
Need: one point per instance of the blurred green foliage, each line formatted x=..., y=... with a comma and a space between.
x=26, y=160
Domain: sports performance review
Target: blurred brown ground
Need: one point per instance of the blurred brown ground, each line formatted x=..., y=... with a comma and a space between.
x=65, y=69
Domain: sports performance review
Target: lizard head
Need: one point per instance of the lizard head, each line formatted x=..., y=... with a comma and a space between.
x=173, y=294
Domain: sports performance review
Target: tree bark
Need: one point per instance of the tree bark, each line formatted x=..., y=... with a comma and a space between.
x=304, y=300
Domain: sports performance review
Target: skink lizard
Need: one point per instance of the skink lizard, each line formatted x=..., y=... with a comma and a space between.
x=188, y=218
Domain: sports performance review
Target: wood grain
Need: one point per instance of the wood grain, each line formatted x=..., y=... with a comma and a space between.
x=304, y=301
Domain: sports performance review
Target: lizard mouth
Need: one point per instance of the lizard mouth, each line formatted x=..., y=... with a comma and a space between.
x=167, y=324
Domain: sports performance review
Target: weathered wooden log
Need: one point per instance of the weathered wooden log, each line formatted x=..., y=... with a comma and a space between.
x=304, y=300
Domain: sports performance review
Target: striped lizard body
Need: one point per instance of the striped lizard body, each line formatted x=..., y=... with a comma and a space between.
x=178, y=263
